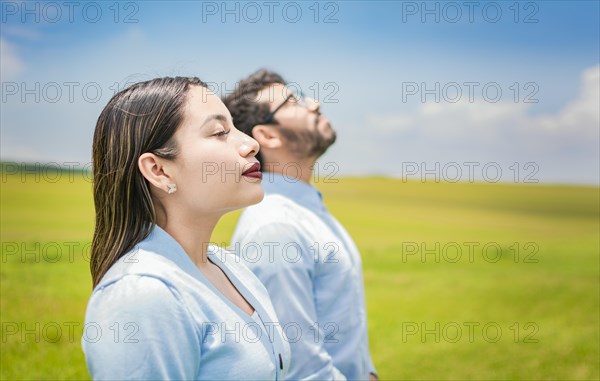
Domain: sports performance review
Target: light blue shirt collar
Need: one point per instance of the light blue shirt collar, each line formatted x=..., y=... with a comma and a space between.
x=295, y=189
x=162, y=243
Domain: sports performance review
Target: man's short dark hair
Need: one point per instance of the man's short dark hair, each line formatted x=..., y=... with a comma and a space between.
x=243, y=105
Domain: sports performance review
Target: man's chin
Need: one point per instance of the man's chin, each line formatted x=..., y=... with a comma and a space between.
x=330, y=139
x=324, y=127
x=329, y=134
x=323, y=122
x=326, y=140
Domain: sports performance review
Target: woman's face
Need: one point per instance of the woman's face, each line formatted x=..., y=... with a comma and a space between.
x=213, y=169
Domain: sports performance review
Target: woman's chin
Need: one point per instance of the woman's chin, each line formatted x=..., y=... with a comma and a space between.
x=250, y=197
x=256, y=197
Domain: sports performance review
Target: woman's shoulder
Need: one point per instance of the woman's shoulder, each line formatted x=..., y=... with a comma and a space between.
x=136, y=317
x=132, y=289
x=136, y=264
x=141, y=278
x=135, y=298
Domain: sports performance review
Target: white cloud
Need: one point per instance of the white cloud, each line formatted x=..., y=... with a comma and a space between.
x=564, y=143
x=582, y=115
x=10, y=63
x=462, y=120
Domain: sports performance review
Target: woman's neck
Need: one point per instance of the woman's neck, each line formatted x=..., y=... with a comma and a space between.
x=193, y=235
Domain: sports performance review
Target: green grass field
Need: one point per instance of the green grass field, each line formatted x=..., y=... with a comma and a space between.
x=463, y=281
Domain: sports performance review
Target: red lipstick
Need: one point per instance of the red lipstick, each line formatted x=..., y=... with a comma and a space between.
x=253, y=171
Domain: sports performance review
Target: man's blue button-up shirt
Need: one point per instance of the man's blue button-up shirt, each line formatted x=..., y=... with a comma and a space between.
x=313, y=272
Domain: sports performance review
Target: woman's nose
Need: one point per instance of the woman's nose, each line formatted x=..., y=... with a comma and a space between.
x=247, y=145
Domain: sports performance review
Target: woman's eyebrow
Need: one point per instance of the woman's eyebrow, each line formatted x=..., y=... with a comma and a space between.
x=212, y=117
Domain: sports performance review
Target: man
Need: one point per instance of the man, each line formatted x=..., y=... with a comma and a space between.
x=305, y=258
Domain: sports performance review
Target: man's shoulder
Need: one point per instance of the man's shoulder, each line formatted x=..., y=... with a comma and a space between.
x=275, y=218
x=273, y=208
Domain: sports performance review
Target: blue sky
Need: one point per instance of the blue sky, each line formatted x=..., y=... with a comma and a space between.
x=374, y=66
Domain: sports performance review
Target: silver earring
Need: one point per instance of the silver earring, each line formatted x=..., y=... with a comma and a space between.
x=172, y=188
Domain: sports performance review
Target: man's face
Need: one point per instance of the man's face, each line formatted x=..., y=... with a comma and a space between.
x=306, y=133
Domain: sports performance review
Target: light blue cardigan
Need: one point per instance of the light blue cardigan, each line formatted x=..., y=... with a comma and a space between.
x=155, y=316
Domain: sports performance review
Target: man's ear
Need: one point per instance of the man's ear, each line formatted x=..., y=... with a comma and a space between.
x=267, y=136
x=153, y=169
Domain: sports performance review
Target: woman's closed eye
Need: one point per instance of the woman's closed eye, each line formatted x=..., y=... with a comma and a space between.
x=222, y=133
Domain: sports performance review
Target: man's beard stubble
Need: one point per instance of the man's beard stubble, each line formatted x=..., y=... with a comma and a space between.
x=307, y=144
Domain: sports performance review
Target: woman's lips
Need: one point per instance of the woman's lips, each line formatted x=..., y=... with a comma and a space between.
x=253, y=171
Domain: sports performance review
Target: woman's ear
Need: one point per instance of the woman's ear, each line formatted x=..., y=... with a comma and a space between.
x=153, y=169
x=267, y=137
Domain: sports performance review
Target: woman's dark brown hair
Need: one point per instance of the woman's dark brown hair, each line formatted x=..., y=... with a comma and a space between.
x=142, y=118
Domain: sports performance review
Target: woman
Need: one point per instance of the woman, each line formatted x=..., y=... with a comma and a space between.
x=168, y=163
